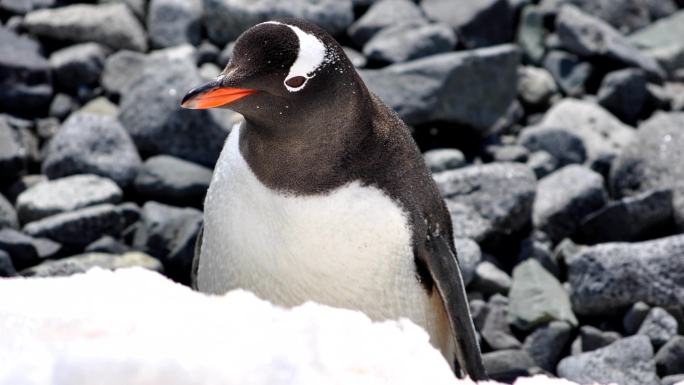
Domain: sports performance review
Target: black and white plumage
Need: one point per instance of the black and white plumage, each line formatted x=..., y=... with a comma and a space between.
x=323, y=195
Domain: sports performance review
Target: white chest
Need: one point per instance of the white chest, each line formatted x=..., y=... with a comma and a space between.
x=343, y=248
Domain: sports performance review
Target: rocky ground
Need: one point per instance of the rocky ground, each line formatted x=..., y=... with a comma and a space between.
x=554, y=129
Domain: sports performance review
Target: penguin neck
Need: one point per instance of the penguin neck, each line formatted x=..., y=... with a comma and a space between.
x=308, y=153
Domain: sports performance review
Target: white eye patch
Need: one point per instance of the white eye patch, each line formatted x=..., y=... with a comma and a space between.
x=311, y=55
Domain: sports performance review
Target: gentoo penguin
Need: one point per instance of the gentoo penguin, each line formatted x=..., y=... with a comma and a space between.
x=322, y=194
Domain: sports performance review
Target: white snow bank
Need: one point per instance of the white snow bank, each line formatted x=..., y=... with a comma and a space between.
x=134, y=326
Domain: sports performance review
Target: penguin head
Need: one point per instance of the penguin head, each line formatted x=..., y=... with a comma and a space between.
x=278, y=70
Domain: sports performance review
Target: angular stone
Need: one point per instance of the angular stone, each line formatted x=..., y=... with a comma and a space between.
x=625, y=362
x=79, y=227
x=531, y=34
x=14, y=154
x=25, y=77
x=495, y=330
x=225, y=20
x=609, y=276
x=120, y=71
x=506, y=365
x=64, y=195
x=444, y=159
x=92, y=144
x=588, y=36
x=27, y=251
x=546, y=344
x=663, y=33
x=535, y=86
x=634, y=317
x=592, y=338
x=537, y=297
x=489, y=279
x=571, y=73
x=629, y=219
x=84, y=262
x=659, y=326
x=653, y=160
x=382, y=14
x=113, y=25
x=6, y=266
x=563, y=145
x=168, y=179
x=472, y=88
x=564, y=198
x=500, y=193
x=169, y=234
x=174, y=22
x=469, y=256
x=8, y=216
x=624, y=94
x=78, y=65
x=407, y=42
x=151, y=113
x=670, y=358
x=474, y=19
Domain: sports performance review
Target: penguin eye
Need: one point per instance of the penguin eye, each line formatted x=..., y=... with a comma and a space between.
x=295, y=82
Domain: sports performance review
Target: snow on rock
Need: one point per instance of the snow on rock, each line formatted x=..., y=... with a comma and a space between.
x=132, y=326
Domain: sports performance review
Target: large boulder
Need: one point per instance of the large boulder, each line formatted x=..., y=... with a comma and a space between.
x=472, y=88
x=653, y=160
x=588, y=36
x=92, y=144
x=500, y=195
x=611, y=276
x=625, y=362
x=66, y=194
x=151, y=113
x=225, y=20
x=113, y=25
x=25, y=77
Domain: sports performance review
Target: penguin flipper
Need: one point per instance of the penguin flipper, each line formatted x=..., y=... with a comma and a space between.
x=196, y=258
x=443, y=267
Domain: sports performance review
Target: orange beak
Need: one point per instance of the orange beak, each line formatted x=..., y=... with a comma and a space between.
x=211, y=95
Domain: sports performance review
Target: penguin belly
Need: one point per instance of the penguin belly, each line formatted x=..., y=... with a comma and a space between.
x=349, y=248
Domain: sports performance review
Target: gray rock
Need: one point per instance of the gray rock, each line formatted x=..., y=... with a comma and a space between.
x=6, y=266
x=571, y=73
x=174, y=22
x=531, y=34
x=634, y=317
x=500, y=193
x=665, y=32
x=537, y=297
x=8, y=216
x=23, y=184
x=27, y=251
x=151, y=113
x=603, y=135
x=355, y=57
x=629, y=219
x=100, y=106
x=489, y=279
x=409, y=41
x=591, y=338
x=624, y=94
x=23, y=6
x=472, y=88
x=65, y=194
x=542, y=163
x=670, y=358
x=507, y=153
x=227, y=53
x=207, y=52
x=168, y=179
x=659, y=326
x=672, y=380
x=536, y=86
x=564, y=198
x=169, y=234
x=469, y=256
x=92, y=144
x=444, y=159
x=467, y=222
x=545, y=345
x=62, y=105
x=79, y=227
x=120, y=71
x=84, y=262
x=78, y=65
x=107, y=244
x=607, y=277
x=564, y=146
x=474, y=19
x=14, y=154
x=209, y=71
x=506, y=365
x=25, y=77
x=495, y=330
x=113, y=25
x=653, y=160
x=225, y=20
x=382, y=14
x=625, y=362
x=588, y=36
